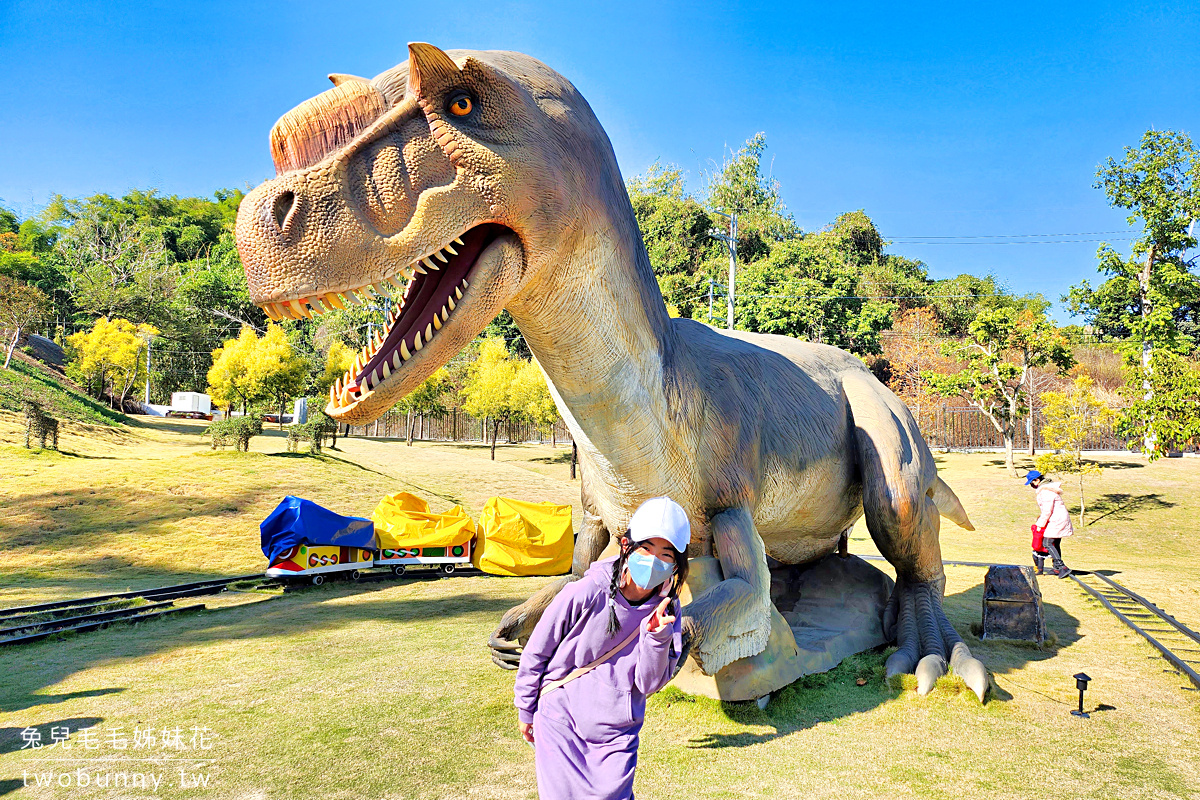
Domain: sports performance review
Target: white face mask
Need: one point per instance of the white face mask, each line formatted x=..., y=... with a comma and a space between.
x=647, y=571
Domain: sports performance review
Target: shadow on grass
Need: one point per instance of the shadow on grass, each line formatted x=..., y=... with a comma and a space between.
x=82, y=514
x=12, y=741
x=30, y=668
x=559, y=458
x=858, y=683
x=1121, y=506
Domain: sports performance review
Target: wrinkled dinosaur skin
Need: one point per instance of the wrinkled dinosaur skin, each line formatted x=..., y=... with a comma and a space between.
x=772, y=445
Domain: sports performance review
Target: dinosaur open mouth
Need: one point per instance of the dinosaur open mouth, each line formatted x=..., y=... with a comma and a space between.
x=431, y=288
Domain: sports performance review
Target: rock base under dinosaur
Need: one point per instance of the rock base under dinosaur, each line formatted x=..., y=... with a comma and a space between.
x=823, y=612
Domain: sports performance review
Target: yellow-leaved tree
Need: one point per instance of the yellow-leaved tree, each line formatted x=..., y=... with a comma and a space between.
x=488, y=389
x=339, y=359
x=1071, y=417
x=426, y=400
x=231, y=377
x=279, y=371
x=531, y=397
x=109, y=357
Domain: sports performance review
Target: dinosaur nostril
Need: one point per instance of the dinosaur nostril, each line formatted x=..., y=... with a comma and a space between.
x=283, y=208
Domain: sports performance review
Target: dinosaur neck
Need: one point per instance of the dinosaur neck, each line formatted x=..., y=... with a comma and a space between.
x=597, y=324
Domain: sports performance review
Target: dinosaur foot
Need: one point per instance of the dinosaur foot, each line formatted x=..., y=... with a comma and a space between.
x=915, y=618
x=518, y=622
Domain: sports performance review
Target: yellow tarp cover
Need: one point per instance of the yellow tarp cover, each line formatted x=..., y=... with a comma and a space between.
x=404, y=520
x=519, y=538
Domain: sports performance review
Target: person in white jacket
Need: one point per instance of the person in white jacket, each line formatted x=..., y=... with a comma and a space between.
x=1053, y=519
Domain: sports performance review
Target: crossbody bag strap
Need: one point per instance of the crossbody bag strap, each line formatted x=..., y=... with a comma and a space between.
x=549, y=687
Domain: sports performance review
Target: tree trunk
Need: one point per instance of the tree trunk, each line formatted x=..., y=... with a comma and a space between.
x=1082, y=523
x=282, y=403
x=12, y=347
x=422, y=435
x=1148, y=443
x=553, y=436
x=411, y=423
x=574, y=459
x=1008, y=453
x=454, y=426
x=495, y=433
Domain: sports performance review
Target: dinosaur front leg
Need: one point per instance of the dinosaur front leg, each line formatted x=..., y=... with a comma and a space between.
x=732, y=619
x=518, y=622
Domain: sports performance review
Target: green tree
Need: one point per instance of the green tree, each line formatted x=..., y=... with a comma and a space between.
x=806, y=288
x=1154, y=293
x=1004, y=344
x=488, y=389
x=1071, y=417
x=21, y=305
x=1168, y=416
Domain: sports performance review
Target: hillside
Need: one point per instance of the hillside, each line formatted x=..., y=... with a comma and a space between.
x=58, y=395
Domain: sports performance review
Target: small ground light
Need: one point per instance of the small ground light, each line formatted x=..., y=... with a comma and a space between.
x=1081, y=683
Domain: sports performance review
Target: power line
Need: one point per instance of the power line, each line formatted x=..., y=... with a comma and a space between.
x=1015, y=235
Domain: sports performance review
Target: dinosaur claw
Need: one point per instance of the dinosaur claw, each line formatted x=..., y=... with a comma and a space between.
x=929, y=669
x=970, y=669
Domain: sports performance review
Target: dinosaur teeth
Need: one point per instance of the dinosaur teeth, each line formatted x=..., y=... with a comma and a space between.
x=445, y=315
x=396, y=360
x=441, y=257
x=429, y=332
x=404, y=354
x=465, y=284
x=450, y=249
x=387, y=370
x=458, y=292
x=437, y=322
x=450, y=302
x=420, y=269
x=333, y=300
x=380, y=288
x=417, y=341
x=427, y=261
x=399, y=284
x=458, y=241
x=349, y=295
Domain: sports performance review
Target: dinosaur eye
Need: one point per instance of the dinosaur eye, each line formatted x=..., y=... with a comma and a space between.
x=461, y=105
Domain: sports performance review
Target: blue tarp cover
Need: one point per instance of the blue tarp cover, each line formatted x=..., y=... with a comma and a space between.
x=297, y=520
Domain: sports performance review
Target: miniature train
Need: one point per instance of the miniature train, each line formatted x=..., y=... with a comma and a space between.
x=317, y=563
x=306, y=543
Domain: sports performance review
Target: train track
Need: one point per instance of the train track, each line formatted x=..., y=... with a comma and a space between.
x=24, y=624
x=1178, y=644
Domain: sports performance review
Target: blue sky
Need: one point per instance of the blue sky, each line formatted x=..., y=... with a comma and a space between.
x=948, y=120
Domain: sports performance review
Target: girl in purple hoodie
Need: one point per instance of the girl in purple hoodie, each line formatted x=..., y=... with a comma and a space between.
x=604, y=644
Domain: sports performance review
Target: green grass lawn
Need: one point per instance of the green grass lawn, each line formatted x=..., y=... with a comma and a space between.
x=386, y=690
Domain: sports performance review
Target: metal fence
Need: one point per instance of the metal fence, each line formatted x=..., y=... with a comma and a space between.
x=458, y=426
x=947, y=427
x=944, y=427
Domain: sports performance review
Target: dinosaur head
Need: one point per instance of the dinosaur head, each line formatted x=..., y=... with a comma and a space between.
x=445, y=181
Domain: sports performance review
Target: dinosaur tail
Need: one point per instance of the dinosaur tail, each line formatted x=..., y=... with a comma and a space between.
x=948, y=504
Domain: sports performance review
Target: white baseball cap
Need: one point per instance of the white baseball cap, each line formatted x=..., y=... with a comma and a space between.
x=661, y=517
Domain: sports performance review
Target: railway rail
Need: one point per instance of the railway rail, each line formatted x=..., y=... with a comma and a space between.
x=31, y=623
x=1176, y=642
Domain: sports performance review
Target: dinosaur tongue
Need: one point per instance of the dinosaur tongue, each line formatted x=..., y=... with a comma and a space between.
x=428, y=303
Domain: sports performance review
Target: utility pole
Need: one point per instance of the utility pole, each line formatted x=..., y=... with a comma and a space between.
x=730, y=244
x=148, y=340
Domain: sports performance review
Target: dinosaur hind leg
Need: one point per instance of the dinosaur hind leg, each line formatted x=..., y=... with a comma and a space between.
x=732, y=619
x=519, y=621
x=903, y=519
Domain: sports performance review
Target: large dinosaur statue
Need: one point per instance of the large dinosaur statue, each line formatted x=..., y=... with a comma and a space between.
x=472, y=182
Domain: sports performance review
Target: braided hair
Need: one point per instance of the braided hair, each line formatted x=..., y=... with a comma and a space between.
x=678, y=576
